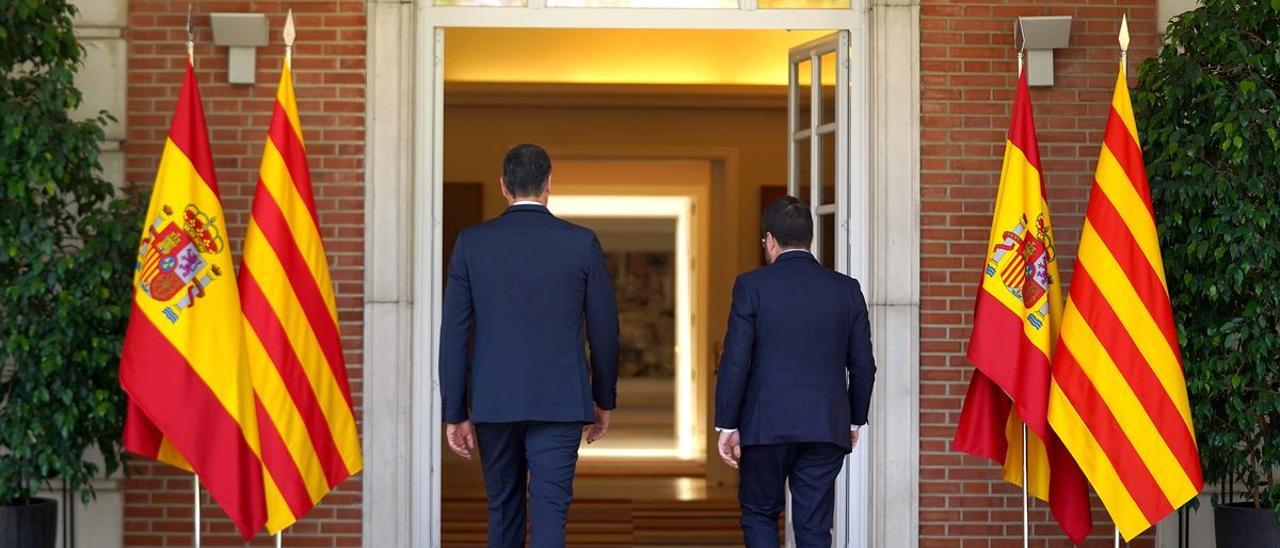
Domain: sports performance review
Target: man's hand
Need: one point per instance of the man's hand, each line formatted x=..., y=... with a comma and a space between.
x=601, y=426
x=462, y=438
x=853, y=437
x=730, y=448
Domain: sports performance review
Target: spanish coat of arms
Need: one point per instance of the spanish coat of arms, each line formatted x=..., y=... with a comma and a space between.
x=171, y=260
x=1021, y=262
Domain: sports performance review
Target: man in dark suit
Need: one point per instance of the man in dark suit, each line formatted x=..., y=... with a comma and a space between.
x=529, y=282
x=794, y=382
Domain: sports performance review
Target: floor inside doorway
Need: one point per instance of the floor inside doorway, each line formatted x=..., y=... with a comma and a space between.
x=613, y=506
x=622, y=511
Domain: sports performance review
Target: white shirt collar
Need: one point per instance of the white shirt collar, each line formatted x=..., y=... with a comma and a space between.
x=528, y=202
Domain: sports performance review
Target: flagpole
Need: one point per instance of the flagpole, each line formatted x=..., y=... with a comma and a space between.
x=195, y=478
x=191, y=39
x=289, y=34
x=1124, y=42
x=195, y=489
x=1026, y=500
x=1124, y=68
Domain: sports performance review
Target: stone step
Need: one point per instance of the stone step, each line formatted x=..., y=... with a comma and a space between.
x=614, y=522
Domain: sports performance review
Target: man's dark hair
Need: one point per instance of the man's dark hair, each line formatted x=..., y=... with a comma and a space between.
x=788, y=219
x=526, y=170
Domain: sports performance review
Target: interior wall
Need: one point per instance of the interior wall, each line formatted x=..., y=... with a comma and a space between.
x=476, y=137
x=622, y=56
x=696, y=181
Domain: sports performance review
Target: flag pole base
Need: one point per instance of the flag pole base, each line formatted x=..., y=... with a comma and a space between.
x=195, y=490
x=1026, y=510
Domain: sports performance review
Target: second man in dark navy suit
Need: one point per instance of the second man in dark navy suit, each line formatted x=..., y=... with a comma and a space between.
x=794, y=383
x=534, y=287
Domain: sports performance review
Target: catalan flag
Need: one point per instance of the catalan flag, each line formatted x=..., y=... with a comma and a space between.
x=183, y=363
x=1119, y=397
x=1016, y=318
x=303, y=400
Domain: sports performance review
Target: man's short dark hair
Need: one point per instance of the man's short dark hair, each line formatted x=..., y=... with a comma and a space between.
x=788, y=219
x=526, y=169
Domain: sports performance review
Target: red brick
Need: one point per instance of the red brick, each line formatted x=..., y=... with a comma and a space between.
x=331, y=48
x=966, y=47
x=966, y=82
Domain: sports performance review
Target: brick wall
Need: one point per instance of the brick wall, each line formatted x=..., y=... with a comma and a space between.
x=329, y=65
x=967, y=76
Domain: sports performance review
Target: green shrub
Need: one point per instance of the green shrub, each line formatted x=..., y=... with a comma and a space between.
x=67, y=247
x=1209, y=109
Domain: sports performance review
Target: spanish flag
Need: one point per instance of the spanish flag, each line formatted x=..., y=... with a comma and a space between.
x=1016, y=318
x=302, y=398
x=183, y=365
x=1119, y=397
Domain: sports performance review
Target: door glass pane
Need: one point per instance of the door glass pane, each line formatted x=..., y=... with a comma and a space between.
x=801, y=169
x=481, y=2
x=804, y=93
x=827, y=165
x=829, y=65
x=826, y=227
x=808, y=4
x=642, y=3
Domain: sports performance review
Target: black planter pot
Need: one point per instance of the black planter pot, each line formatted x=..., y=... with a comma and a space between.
x=31, y=525
x=1240, y=525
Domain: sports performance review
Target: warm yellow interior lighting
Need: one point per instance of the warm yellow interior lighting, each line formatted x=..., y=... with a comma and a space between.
x=703, y=4
x=805, y=4
x=679, y=208
x=621, y=56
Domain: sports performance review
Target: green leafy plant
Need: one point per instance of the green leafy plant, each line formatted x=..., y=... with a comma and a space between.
x=1209, y=109
x=67, y=247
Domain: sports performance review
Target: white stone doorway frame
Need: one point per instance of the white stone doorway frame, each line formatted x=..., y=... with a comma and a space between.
x=404, y=178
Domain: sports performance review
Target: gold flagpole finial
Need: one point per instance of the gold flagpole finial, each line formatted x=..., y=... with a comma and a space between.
x=1124, y=38
x=1020, y=43
x=289, y=35
x=191, y=38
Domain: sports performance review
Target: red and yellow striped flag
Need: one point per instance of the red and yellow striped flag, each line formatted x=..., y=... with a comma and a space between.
x=309, y=438
x=1016, y=318
x=183, y=364
x=1119, y=397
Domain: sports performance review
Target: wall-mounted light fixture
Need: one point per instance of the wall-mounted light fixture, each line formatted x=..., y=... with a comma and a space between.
x=243, y=33
x=1039, y=36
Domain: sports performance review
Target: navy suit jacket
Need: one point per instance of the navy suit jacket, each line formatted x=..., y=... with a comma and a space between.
x=797, y=364
x=530, y=281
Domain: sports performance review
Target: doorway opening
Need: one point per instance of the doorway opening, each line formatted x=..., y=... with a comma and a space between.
x=647, y=241
x=667, y=143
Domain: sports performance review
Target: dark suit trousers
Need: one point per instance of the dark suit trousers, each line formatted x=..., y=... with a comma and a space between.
x=811, y=469
x=546, y=453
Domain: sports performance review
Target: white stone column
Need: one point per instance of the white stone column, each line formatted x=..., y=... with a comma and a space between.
x=103, y=79
x=104, y=74
x=389, y=265
x=1168, y=9
x=895, y=271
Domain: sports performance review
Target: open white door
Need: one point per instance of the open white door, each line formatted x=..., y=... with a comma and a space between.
x=818, y=173
x=818, y=159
